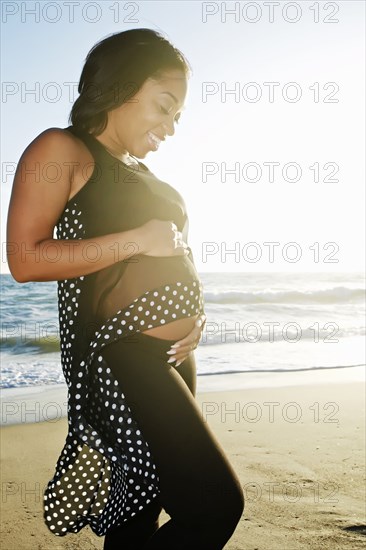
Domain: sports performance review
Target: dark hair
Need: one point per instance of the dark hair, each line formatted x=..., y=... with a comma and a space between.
x=116, y=68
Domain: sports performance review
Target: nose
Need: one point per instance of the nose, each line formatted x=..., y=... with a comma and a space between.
x=169, y=128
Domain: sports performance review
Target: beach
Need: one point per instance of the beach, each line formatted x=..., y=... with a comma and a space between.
x=297, y=446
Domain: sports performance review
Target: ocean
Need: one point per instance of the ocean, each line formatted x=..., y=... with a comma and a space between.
x=256, y=322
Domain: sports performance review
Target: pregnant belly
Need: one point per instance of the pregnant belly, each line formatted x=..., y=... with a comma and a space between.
x=118, y=287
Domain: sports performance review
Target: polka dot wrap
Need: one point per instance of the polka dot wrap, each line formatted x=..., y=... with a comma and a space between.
x=106, y=472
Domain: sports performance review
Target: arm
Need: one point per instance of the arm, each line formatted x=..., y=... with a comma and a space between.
x=36, y=205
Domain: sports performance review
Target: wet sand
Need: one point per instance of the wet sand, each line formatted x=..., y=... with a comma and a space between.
x=298, y=449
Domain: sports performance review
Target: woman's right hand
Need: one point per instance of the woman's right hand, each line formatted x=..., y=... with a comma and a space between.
x=161, y=238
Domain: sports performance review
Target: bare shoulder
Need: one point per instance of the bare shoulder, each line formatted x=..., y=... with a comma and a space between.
x=56, y=140
x=53, y=156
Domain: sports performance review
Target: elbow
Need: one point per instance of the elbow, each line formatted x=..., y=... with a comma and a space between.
x=20, y=275
x=18, y=266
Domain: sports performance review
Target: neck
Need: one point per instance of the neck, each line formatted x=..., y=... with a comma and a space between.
x=126, y=158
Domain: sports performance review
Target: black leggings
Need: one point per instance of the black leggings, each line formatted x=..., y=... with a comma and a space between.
x=199, y=488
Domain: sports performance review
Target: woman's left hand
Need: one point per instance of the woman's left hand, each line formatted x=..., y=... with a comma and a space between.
x=181, y=349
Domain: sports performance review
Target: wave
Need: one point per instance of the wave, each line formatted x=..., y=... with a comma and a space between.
x=251, y=371
x=55, y=378
x=339, y=294
x=218, y=334
x=46, y=344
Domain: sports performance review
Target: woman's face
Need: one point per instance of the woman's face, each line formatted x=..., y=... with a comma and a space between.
x=137, y=126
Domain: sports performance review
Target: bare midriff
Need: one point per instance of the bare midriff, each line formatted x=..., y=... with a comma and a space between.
x=147, y=273
x=176, y=329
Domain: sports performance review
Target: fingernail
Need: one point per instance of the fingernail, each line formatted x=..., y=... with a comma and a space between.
x=171, y=351
x=175, y=346
x=177, y=364
x=171, y=359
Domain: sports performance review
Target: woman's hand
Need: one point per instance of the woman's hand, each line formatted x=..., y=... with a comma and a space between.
x=161, y=238
x=181, y=349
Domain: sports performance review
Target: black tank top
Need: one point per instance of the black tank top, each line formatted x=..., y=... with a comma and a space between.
x=117, y=198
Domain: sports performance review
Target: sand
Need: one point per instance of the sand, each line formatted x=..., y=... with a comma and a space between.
x=299, y=451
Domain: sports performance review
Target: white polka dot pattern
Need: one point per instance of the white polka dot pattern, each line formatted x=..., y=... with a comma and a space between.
x=106, y=472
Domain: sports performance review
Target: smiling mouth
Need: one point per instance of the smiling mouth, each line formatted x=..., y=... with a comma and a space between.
x=154, y=140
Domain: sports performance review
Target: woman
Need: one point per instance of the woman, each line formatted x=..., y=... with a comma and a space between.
x=130, y=309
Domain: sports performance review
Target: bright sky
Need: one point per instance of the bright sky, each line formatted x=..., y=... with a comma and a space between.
x=297, y=114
